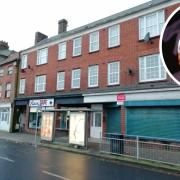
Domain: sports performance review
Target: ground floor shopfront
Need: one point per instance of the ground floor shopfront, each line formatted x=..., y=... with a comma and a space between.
x=152, y=113
x=5, y=116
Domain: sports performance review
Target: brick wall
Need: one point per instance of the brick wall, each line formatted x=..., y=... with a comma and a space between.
x=127, y=53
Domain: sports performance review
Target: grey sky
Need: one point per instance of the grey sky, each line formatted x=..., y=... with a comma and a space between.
x=20, y=19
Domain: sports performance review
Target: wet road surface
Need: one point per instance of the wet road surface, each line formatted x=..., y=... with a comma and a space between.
x=24, y=162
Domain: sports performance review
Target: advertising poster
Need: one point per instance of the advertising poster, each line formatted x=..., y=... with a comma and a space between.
x=47, y=126
x=77, y=128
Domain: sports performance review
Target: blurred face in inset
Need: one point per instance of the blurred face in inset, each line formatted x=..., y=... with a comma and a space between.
x=179, y=53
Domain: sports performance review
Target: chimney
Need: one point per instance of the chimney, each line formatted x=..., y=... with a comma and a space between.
x=39, y=37
x=3, y=45
x=62, y=26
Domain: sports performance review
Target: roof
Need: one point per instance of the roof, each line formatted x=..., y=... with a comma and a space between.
x=14, y=56
x=103, y=21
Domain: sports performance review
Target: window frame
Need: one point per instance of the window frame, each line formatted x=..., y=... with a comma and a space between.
x=60, y=81
x=1, y=72
x=109, y=73
x=160, y=66
x=22, y=86
x=24, y=59
x=8, y=90
x=158, y=23
x=110, y=36
x=39, y=56
x=73, y=79
x=74, y=47
x=96, y=33
x=90, y=76
x=42, y=84
x=61, y=51
x=10, y=70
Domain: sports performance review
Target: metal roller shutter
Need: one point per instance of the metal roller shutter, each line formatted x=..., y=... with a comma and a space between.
x=158, y=122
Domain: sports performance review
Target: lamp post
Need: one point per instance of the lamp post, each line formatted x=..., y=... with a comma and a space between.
x=35, y=139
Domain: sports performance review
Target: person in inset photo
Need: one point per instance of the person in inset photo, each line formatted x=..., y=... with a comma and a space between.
x=171, y=45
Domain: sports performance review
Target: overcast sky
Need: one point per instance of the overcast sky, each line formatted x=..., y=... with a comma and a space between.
x=20, y=19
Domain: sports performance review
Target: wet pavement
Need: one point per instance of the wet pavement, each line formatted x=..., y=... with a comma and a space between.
x=20, y=161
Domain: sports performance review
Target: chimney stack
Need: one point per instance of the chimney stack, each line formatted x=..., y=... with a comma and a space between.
x=3, y=45
x=39, y=37
x=62, y=26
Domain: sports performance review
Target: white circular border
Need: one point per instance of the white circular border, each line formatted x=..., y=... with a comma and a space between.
x=160, y=45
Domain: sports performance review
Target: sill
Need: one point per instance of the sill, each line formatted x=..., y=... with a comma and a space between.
x=92, y=87
x=151, y=38
x=60, y=90
x=92, y=52
x=39, y=92
x=41, y=64
x=111, y=85
x=62, y=59
x=117, y=46
x=78, y=88
x=74, y=56
x=153, y=81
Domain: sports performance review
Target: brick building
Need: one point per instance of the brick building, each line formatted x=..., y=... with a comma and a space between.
x=8, y=81
x=90, y=66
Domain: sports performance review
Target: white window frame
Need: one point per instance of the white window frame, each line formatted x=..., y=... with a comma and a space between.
x=93, y=75
x=8, y=90
x=1, y=72
x=92, y=36
x=60, y=80
x=10, y=70
x=116, y=64
x=143, y=28
x=73, y=79
x=41, y=57
x=38, y=84
x=24, y=61
x=110, y=29
x=77, y=46
x=62, y=50
x=160, y=67
x=22, y=85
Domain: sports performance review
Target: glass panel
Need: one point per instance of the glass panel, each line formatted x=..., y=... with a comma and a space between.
x=97, y=119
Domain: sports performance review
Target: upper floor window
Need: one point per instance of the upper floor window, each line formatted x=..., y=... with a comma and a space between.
x=62, y=51
x=1, y=72
x=76, y=78
x=24, y=61
x=151, y=23
x=10, y=70
x=60, y=80
x=94, y=41
x=8, y=90
x=151, y=68
x=22, y=86
x=42, y=56
x=0, y=90
x=40, y=83
x=113, y=73
x=113, y=36
x=93, y=76
x=77, y=45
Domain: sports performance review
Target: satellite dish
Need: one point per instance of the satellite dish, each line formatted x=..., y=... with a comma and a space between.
x=147, y=37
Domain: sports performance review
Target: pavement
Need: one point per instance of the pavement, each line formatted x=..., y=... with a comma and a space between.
x=30, y=139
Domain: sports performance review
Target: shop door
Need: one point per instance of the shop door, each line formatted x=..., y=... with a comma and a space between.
x=4, y=121
x=96, y=125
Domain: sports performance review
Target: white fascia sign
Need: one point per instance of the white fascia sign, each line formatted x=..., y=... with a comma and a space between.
x=41, y=103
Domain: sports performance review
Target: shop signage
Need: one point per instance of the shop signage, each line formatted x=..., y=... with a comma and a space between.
x=41, y=102
x=77, y=128
x=47, y=126
x=121, y=98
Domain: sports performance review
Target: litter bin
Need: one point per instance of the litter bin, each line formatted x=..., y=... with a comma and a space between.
x=116, y=143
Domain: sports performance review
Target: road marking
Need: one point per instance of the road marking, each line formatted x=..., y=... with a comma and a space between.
x=6, y=159
x=55, y=175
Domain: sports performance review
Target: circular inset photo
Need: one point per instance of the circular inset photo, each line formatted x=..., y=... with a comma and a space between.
x=170, y=46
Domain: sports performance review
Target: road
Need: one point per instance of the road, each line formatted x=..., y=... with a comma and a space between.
x=24, y=162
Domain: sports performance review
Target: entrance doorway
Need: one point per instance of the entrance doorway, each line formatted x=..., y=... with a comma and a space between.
x=96, y=125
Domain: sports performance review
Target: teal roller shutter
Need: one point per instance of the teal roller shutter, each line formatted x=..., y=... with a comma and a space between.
x=160, y=122
x=113, y=120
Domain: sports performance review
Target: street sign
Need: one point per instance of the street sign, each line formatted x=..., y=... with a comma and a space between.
x=121, y=98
